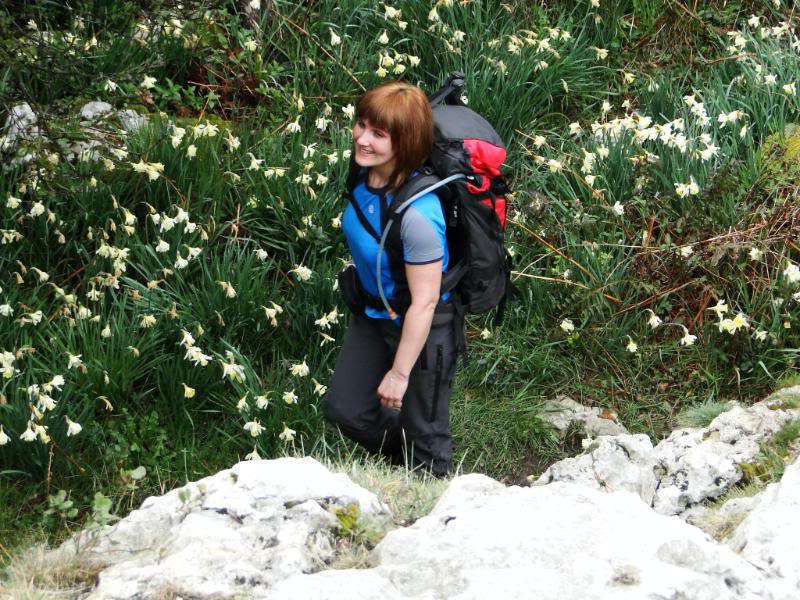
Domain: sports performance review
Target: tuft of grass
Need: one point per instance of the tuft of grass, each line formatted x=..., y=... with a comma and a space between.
x=408, y=494
x=740, y=491
x=719, y=524
x=701, y=415
x=355, y=537
x=40, y=572
x=781, y=449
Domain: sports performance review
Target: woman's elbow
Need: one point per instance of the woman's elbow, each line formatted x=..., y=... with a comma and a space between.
x=426, y=303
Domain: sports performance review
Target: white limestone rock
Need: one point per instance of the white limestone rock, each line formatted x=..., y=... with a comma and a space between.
x=562, y=412
x=610, y=463
x=131, y=120
x=348, y=584
x=21, y=122
x=20, y=125
x=93, y=110
x=695, y=465
x=769, y=536
x=262, y=530
x=235, y=533
x=786, y=398
x=554, y=542
x=739, y=508
x=86, y=150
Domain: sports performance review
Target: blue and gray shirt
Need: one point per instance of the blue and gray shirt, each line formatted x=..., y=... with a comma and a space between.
x=422, y=232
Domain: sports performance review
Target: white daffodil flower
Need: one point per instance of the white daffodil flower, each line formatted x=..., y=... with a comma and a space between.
x=254, y=428
x=688, y=339
x=299, y=369
x=287, y=435
x=73, y=428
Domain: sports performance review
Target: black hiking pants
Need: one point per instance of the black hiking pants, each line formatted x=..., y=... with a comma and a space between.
x=419, y=433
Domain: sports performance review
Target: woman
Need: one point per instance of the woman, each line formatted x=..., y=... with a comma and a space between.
x=406, y=363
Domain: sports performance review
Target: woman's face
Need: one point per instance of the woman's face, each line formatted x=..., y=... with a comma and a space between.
x=373, y=146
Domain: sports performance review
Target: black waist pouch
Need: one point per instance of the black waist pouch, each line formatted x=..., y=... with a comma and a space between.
x=351, y=290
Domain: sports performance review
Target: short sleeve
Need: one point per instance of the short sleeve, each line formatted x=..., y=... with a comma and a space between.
x=422, y=240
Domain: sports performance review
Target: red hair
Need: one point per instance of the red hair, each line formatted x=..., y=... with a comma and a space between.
x=402, y=110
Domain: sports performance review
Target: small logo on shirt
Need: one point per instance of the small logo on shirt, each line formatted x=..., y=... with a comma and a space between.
x=371, y=208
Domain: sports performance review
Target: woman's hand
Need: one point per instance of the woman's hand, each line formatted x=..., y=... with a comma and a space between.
x=392, y=389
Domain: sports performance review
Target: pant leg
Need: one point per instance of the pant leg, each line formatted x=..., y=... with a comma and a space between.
x=425, y=415
x=352, y=401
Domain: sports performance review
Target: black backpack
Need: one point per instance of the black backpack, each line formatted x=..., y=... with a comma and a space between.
x=464, y=170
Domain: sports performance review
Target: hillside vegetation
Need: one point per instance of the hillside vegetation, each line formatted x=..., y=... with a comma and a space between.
x=167, y=304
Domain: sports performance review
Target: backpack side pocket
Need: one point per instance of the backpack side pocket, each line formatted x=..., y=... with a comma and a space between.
x=351, y=290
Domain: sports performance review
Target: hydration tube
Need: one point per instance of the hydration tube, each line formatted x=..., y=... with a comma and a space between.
x=385, y=235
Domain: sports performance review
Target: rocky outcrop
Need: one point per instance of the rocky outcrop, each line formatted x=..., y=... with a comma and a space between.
x=558, y=542
x=20, y=123
x=131, y=120
x=20, y=126
x=269, y=529
x=695, y=465
x=688, y=468
x=263, y=530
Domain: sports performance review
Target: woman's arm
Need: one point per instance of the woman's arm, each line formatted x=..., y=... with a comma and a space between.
x=424, y=283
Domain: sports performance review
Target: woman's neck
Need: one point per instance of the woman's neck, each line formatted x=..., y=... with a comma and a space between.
x=377, y=178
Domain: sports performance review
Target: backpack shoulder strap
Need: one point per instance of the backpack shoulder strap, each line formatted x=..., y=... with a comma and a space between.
x=408, y=191
x=411, y=188
x=392, y=230
x=354, y=176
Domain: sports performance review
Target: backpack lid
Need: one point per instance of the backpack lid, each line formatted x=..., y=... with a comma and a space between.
x=457, y=123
